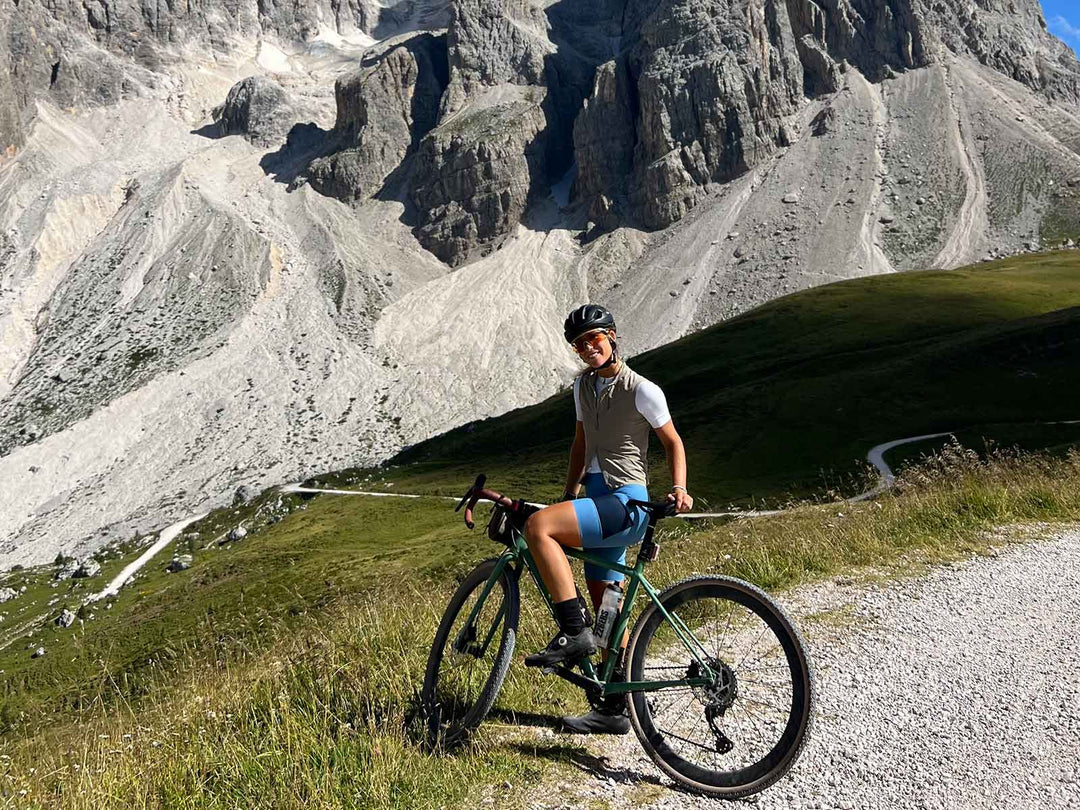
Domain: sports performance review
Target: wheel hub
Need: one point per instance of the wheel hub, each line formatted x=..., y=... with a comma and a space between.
x=720, y=694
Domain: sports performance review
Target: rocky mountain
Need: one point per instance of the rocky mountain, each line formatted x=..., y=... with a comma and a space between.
x=241, y=243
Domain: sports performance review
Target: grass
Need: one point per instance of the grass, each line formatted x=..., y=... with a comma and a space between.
x=321, y=716
x=281, y=670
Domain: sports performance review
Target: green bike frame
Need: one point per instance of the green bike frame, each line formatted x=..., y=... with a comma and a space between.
x=599, y=682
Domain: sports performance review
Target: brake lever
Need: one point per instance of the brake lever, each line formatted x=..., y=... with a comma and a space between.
x=476, y=487
x=471, y=497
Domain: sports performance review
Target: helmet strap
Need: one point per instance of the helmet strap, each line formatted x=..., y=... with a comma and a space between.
x=614, y=356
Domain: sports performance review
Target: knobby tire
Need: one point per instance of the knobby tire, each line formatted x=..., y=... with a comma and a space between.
x=440, y=696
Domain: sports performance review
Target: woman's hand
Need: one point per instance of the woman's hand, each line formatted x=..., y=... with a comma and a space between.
x=683, y=501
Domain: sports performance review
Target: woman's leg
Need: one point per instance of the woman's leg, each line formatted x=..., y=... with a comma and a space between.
x=546, y=532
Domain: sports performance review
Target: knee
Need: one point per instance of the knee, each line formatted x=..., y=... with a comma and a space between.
x=532, y=527
x=537, y=526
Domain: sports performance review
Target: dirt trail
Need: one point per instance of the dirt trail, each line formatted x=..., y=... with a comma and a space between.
x=971, y=222
x=873, y=259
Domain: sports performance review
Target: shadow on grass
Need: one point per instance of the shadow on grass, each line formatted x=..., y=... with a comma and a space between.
x=524, y=718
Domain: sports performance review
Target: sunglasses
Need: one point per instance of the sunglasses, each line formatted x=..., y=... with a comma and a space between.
x=590, y=339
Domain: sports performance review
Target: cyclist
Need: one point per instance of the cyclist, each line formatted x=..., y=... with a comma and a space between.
x=615, y=408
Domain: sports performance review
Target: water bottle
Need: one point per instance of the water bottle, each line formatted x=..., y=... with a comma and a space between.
x=606, y=615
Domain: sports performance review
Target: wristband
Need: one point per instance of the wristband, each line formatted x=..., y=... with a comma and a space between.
x=677, y=486
x=568, y=496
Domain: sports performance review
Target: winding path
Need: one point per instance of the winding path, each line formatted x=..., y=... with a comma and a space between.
x=875, y=457
x=121, y=579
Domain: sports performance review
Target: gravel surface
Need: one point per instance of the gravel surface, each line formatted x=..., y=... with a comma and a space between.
x=959, y=689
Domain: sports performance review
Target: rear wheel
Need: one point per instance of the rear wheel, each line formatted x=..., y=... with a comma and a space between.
x=744, y=730
x=469, y=659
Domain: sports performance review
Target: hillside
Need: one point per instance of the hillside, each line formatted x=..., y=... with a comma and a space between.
x=241, y=243
x=766, y=415
x=787, y=399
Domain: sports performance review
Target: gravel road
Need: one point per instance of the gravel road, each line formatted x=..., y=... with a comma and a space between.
x=959, y=689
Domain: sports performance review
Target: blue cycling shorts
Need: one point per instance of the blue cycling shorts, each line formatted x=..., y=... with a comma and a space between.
x=607, y=526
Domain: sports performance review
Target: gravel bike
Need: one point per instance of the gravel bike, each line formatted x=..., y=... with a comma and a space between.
x=720, y=683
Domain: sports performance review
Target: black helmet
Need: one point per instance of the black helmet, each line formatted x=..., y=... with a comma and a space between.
x=586, y=318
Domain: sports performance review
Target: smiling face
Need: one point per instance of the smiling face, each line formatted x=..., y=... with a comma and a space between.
x=594, y=347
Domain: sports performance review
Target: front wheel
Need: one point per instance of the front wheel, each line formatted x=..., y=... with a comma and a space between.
x=470, y=656
x=742, y=731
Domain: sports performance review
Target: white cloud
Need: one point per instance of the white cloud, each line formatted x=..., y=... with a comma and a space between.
x=1065, y=30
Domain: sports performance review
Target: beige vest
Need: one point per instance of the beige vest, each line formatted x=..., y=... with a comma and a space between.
x=614, y=430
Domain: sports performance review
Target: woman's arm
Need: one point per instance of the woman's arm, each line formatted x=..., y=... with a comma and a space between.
x=577, y=461
x=676, y=456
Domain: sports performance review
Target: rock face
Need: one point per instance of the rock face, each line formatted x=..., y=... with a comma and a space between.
x=257, y=108
x=11, y=132
x=604, y=141
x=711, y=106
x=492, y=42
x=511, y=78
x=1009, y=36
x=474, y=172
x=708, y=88
x=382, y=113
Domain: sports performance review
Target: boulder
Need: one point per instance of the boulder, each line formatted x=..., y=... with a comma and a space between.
x=824, y=122
x=7, y=594
x=89, y=568
x=244, y=495
x=65, y=619
x=38, y=652
x=258, y=109
x=180, y=562
x=239, y=533
x=67, y=570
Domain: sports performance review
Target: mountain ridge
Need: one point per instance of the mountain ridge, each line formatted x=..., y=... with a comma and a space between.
x=183, y=310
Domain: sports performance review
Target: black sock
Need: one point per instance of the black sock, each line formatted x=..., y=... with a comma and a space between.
x=568, y=614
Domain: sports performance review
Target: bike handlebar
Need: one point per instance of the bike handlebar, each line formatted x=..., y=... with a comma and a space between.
x=474, y=494
x=656, y=509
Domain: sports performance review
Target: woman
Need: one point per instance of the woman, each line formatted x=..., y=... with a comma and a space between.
x=615, y=409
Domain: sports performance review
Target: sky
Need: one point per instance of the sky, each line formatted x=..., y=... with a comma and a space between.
x=1063, y=20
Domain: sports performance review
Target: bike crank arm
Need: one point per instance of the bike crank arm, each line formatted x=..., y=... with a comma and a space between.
x=594, y=688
